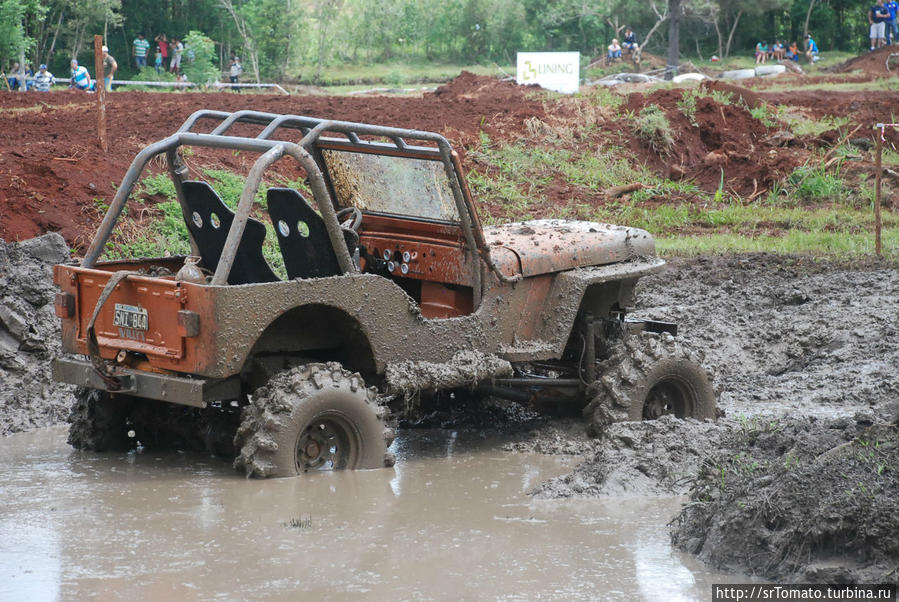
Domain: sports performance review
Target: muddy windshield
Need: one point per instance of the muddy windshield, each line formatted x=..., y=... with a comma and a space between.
x=393, y=185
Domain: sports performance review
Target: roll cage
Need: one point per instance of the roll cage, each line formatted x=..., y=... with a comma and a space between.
x=307, y=152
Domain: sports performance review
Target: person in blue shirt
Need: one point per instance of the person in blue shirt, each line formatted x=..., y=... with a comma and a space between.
x=878, y=15
x=811, y=49
x=81, y=79
x=892, y=27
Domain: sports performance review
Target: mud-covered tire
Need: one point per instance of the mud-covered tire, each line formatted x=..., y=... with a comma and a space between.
x=99, y=422
x=306, y=408
x=646, y=376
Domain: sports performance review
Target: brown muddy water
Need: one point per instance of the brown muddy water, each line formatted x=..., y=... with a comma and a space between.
x=453, y=519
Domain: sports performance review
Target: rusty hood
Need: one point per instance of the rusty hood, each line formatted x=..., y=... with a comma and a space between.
x=553, y=245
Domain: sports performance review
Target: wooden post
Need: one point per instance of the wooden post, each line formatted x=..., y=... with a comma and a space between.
x=101, y=93
x=877, y=186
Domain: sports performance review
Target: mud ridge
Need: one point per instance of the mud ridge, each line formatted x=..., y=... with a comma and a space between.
x=29, y=335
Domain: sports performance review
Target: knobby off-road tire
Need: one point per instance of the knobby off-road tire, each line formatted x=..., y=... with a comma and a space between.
x=313, y=417
x=99, y=422
x=647, y=376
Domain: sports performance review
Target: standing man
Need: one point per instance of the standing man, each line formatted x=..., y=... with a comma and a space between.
x=177, y=50
x=878, y=17
x=81, y=79
x=43, y=80
x=892, y=27
x=140, y=48
x=234, y=71
x=109, y=68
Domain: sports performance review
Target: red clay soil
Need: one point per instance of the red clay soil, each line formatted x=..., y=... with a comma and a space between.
x=53, y=174
x=874, y=63
x=727, y=141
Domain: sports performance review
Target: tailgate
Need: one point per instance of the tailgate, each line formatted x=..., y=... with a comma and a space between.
x=141, y=314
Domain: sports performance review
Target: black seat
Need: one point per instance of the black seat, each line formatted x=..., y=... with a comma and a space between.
x=249, y=265
x=302, y=235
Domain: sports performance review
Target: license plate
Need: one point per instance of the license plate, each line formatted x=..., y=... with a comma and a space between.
x=129, y=316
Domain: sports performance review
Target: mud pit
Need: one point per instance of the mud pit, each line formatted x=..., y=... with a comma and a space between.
x=453, y=515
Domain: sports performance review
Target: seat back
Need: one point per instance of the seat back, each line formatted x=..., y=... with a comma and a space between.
x=302, y=235
x=209, y=223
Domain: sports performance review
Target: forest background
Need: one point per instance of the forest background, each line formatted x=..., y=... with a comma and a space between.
x=297, y=40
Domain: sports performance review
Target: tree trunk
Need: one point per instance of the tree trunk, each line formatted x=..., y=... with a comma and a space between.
x=730, y=36
x=720, y=38
x=808, y=16
x=662, y=18
x=673, y=37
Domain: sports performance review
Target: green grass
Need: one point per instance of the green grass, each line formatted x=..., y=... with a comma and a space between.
x=341, y=78
x=812, y=243
x=802, y=125
x=654, y=128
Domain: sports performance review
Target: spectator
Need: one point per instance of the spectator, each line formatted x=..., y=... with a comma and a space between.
x=13, y=79
x=81, y=79
x=43, y=80
x=778, y=52
x=234, y=70
x=892, y=27
x=177, y=51
x=110, y=66
x=630, y=41
x=793, y=52
x=163, y=45
x=811, y=49
x=158, y=62
x=614, y=50
x=140, y=48
x=878, y=16
x=761, y=52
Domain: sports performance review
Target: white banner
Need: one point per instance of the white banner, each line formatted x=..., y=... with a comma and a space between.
x=559, y=71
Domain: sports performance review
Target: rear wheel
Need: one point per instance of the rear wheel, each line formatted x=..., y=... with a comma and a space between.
x=99, y=422
x=649, y=376
x=313, y=417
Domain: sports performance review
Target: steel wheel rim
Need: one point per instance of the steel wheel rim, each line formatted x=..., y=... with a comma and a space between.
x=671, y=396
x=329, y=442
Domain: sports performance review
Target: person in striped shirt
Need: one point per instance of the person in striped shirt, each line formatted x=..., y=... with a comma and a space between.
x=140, y=49
x=81, y=79
x=43, y=80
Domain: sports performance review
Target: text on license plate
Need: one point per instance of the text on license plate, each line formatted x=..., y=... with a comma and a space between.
x=129, y=316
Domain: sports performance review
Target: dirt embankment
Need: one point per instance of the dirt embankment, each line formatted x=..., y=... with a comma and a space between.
x=872, y=63
x=29, y=335
x=53, y=177
x=804, y=464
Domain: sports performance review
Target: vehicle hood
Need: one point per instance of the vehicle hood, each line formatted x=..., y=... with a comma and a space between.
x=552, y=245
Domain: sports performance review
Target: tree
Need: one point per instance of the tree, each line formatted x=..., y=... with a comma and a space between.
x=674, y=12
x=199, y=51
x=14, y=39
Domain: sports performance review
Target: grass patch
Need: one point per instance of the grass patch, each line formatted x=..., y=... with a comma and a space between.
x=654, y=128
x=810, y=243
x=393, y=74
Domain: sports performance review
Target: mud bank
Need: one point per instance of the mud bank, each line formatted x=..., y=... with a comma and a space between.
x=29, y=335
x=803, y=500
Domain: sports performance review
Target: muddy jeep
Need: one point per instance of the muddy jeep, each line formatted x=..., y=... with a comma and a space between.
x=390, y=292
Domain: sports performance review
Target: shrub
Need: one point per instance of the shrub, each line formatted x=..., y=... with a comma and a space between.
x=653, y=126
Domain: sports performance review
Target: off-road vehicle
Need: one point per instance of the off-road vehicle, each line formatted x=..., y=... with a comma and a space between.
x=392, y=291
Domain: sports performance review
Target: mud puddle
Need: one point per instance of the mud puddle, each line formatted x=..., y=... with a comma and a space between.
x=453, y=516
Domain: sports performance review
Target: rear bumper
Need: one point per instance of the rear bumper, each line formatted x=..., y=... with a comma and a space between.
x=194, y=392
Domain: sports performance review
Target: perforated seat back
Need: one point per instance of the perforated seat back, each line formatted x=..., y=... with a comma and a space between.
x=249, y=264
x=302, y=235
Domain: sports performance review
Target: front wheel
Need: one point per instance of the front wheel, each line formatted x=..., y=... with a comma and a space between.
x=313, y=417
x=649, y=376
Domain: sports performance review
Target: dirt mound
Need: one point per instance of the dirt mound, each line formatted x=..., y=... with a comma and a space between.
x=658, y=457
x=720, y=144
x=802, y=501
x=29, y=335
x=58, y=181
x=874, y=63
